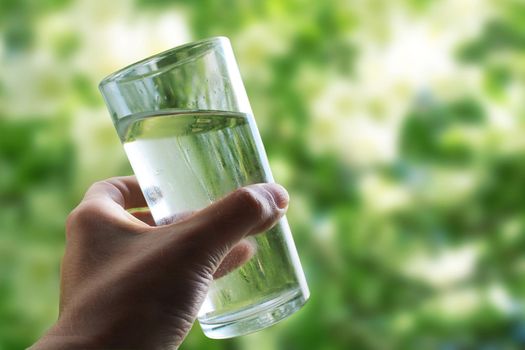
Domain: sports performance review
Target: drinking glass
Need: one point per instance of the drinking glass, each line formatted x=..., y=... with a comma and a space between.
x=187, y=128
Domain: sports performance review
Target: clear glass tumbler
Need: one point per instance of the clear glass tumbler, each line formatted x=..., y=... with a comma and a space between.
x=187, y=127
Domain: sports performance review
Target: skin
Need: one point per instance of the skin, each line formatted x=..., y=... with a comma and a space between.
x=127, y=284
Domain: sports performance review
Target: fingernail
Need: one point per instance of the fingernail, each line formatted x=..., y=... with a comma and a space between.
x=280, y=196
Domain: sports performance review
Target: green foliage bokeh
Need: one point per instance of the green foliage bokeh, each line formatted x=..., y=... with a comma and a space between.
x=396, y=126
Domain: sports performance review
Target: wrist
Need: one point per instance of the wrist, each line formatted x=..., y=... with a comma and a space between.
x=110, y=332
x=55, y=339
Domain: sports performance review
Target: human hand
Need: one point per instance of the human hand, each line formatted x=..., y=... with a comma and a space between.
x=127, y=284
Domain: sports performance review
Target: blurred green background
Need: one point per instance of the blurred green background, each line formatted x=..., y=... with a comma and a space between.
x=397, y=127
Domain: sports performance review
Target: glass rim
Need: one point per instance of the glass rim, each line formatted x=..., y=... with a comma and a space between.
x=121, y=74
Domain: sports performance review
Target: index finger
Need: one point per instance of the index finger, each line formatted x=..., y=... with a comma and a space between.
x=123, y=190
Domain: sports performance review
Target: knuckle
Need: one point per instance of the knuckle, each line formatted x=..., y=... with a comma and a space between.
x=101, y=183
x=107, y=185
x=252, y=202
x=113, y=183
x=76, y=216
x=82, y=218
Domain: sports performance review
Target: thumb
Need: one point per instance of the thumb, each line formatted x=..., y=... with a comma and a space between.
x=219, y=227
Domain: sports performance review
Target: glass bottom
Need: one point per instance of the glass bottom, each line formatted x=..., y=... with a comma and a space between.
x=254, y=318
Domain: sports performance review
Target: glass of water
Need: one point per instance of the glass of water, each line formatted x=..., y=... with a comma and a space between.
x=187, y=127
